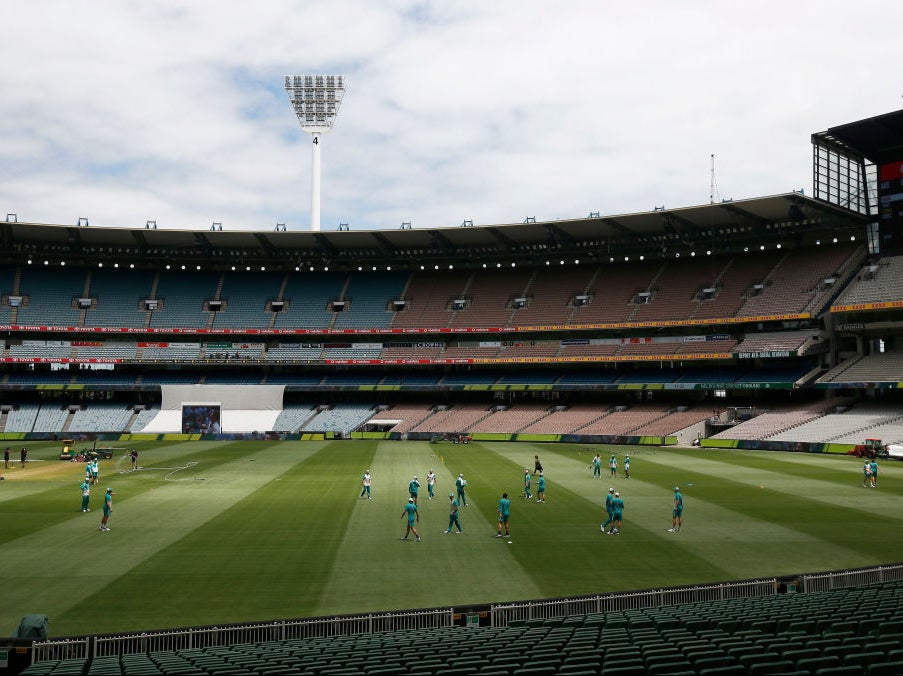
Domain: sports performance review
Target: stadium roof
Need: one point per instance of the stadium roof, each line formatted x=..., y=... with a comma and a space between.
x=878, y=139
x=731, y=219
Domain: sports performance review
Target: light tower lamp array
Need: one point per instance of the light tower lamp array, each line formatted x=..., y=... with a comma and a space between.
x=316, y=100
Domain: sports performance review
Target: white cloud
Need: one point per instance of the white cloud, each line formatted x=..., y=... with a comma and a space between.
x=490, y=111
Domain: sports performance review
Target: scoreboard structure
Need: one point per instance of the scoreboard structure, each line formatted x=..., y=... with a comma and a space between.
x=890, y=195
x=859, y=166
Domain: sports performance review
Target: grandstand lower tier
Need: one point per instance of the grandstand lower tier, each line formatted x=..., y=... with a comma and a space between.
x=777, y=422
x=779, y=628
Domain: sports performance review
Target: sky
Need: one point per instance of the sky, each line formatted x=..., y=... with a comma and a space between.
x=482, y=111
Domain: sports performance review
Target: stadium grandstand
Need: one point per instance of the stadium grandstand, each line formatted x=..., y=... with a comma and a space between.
x=765, y=323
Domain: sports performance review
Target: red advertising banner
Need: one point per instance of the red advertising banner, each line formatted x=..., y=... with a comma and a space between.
x=891, y=171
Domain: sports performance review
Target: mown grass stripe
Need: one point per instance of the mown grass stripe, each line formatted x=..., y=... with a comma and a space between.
x=81, y=577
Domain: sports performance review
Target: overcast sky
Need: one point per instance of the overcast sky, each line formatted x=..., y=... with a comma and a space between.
x=491, y=111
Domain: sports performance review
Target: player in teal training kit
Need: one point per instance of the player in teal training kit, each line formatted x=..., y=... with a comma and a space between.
x=608, y=500
x=617, y=513
x=677, y=512
x=107, y=509
x=527, y=479
x=541, y=489
x=597, y=466
x=460, y=483
x=504, y=510
x=86, y=495
x=414, y=488
x=410, y=511
x=453, y=519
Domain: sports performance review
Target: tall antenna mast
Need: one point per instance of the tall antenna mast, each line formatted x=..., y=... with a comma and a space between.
x=316, y=100
x=712, y=216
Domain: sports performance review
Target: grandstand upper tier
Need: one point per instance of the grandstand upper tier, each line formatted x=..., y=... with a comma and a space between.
x=747, y=286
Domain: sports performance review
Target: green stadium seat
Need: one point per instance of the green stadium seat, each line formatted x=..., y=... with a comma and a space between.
x=386, y=669
x=891, y=627
x=696, y=625
x=768, y=668
x=733, y=670
x=850, y=670
x=813, y=664
x=583, y=658
x=622, y=652
x=575, y=670
x=750, y=659
x=796, y=654
x=841, y=650
x=625, y=669
x=728, y=625
x=669, y=668
x=531, y=671
x=865, y=658
x=714, y=662
x=767, y=626
x=886, y=669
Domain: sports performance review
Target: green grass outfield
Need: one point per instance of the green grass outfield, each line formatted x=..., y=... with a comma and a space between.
x=265, y=530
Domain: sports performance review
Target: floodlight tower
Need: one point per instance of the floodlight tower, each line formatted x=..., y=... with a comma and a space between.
x=316, y=100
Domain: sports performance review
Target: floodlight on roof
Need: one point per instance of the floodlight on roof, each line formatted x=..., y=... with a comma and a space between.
x=316, y=100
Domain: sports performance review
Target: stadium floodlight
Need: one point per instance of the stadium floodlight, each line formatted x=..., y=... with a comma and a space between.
x=316, y=100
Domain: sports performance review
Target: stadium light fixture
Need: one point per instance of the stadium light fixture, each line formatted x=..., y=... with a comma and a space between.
x=315, y=100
